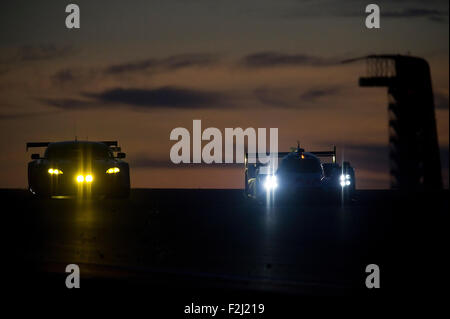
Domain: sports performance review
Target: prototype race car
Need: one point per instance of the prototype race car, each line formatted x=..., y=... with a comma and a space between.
x=78, y=168
x=300, y=175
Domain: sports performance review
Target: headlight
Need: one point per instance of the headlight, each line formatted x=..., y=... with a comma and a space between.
x=54, y=171
x=88, y=178
x=345, y=180
x=270, y=182
x=112, y=170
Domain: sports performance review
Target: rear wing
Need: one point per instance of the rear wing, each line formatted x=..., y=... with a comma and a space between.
x=331, y=154
x=37, y=144
x=113, y=145
x=254, y=156
x=252, y=163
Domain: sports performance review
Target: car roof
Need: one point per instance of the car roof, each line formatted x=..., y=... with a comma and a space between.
x=296, y=154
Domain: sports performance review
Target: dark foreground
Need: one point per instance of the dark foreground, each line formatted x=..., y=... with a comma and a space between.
x=208, y=245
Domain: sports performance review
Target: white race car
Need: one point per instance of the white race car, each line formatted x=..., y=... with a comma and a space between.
x=300, y=175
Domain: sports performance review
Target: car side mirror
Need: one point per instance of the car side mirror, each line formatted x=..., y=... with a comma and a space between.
x=121, y=155
x=35, y=156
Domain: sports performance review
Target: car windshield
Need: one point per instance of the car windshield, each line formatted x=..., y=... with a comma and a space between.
x=330, y=169
x=296, y=165
x=77, y=150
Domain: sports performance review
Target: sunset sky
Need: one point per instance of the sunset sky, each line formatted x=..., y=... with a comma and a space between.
x=137, y=69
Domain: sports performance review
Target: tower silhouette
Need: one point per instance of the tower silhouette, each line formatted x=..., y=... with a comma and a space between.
x=413, y=143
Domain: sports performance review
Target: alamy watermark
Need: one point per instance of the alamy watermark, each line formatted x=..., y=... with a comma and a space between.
x=234, y=145
x=73, y=279
x=373, y=279
x=73, y=17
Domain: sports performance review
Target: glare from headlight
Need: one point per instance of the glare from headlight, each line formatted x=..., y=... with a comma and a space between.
x=112, y=170
x=271, y=182
x=88, y=178
x=54, y=171
x=80, y=178
x=345, y=180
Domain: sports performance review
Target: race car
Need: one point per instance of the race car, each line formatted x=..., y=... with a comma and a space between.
x=299, y=175
x=78, y=168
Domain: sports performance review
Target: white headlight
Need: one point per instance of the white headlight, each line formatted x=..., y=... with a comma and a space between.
x=270, y=182
x=345, y=180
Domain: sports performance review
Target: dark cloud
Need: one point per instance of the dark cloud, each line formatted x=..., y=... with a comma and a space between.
x=75, y=76
x=439, y=19
x=172, y=97
x=314, y=94
x=356, y=8
x=64, y=76
x=70, y=104
x=432, y=14
x=189, y=60
x=289, y=98
x=169, y=97
x=169, y=63
x=184, y=98
x=82, y=75
x=274, y=59
x=38, y=53
x=130, y=66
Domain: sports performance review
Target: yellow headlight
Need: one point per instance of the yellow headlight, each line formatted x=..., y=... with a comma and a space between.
x=112, y=170
x=88, y=178
x=80, y=178
x=54, y=171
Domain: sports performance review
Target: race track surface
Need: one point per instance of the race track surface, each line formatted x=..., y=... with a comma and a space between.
x=212, y=241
